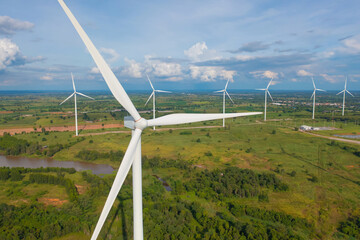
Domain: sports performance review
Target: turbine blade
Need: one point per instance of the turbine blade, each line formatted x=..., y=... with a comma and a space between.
x=110, y=78
x=320, y=90
x=261, y=89
x=150, y=82
x=229, y=96
x=340, y=92
x=72, y=78
x=118, y=182
x=227, y=83
x=269, y=83
x=67, y=98
x=181, y=118
x=313, y=82
x=312, y=95
x=349, y=93
x=345, y=82
x=84, y=95
x=220, y=91
x=162, y=91
x=149, y=98
x=270, y=96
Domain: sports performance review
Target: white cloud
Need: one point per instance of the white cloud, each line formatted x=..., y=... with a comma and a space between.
x=303, y=73
x=200, y=52
x=209, y=74
x=244, y=57
x=9, y=26
x=332, y=78
x=95, y=70
x=9, y=52
x=265, y=74
x=294, y=80
x=353, y=43
x=133, y=69
x=110, y=54
x=47, y=77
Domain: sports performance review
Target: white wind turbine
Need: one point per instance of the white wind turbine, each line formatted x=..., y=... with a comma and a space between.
x=137, y=124
x=224, y=91
x=74, y=94
x=314, y=96
x=266, y=93
x=153, y=95
x=344, y=91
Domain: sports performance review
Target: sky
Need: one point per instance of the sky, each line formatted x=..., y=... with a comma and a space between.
x=182, y=45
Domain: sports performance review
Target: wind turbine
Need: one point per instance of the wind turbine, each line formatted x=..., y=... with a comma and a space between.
x=266, y=93
x=153, y=95
x=344, y=91
x=314, y=96
x=137, y=124
x=224, y=91
x=74, y=94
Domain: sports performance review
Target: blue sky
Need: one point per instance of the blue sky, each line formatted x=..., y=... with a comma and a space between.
x=182, y=45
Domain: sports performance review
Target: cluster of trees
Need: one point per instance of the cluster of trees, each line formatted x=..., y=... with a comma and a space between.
x=351, y=226
x=13, y=146
x=182, y=220
x=36, y=222
x=92, y=155
x=233, y=181
x=270, y=215
x=157, y=162
x=16, y=174
x=56, y=180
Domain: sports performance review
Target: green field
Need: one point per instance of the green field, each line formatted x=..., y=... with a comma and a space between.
x=322, y=176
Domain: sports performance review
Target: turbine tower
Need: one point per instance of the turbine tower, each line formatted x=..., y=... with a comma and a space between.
x=137, y=124
x=266, y=93
x=314, y=96
x=74, y=94
x=344, y=91
x=224, y=91
x=153, y=95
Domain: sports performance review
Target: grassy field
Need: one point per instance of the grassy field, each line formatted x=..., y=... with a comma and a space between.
x=323, y=176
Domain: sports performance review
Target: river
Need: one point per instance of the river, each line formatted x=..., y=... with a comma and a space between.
x=7, y=161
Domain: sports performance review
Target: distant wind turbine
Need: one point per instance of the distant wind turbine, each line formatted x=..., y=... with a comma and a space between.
x=224, y=91
x=74, y=94
x=153, y=95
x=266, y=93
x=132, y=156
x=344, y=91
x=314, y=96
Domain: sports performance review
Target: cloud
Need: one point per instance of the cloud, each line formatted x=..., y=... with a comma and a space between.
x=265, y=74
x=200, y=52
x=47, y=77
x=110, y=54
x=95, y=70
x=332, y=78
x=8, y=25
x=209, y=74
x=303, y=73
x=252, y=47
x=133, y=69
x=9, y=53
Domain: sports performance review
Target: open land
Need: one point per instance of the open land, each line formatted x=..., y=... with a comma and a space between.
x=251, y=178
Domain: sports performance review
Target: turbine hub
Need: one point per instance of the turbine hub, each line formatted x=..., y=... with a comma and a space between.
x=129, y=122
x=141, y=124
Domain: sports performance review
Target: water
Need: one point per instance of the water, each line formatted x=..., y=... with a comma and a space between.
x=349, y=136
x=164, y=183
x=6, y=161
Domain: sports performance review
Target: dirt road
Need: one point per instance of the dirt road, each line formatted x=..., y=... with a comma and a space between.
x=12, y=131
